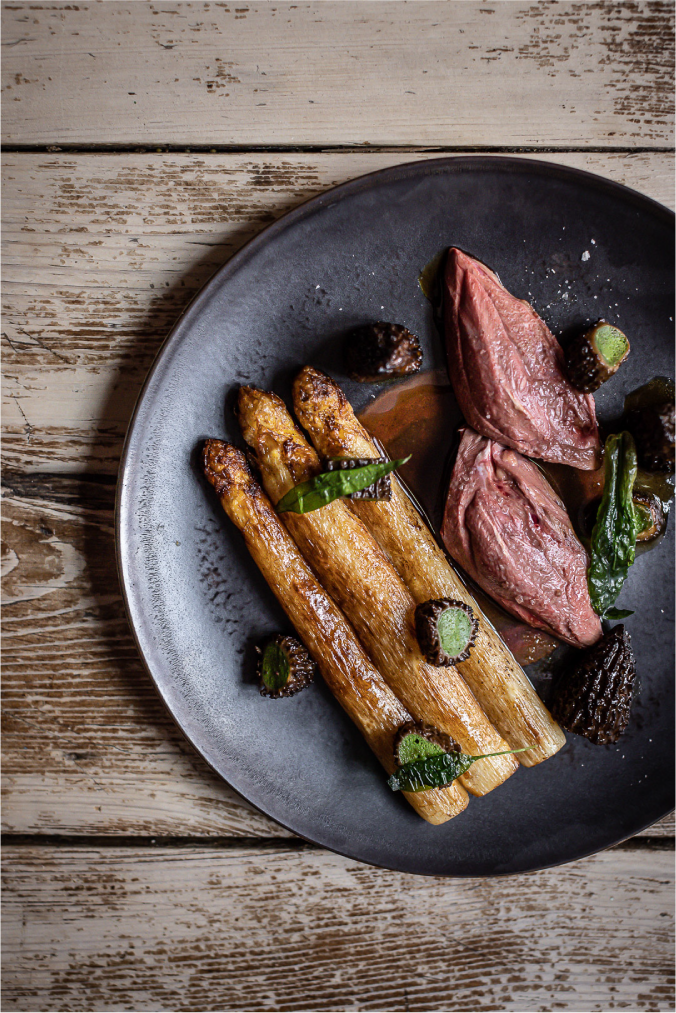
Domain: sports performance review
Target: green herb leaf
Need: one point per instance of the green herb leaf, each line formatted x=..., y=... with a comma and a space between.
x=430, y=772
x=330, y=485
x=613, y=540
x=613, y=613
x=438, y=771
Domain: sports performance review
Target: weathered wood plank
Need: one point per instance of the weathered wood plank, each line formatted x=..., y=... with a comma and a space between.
x=279, y=929
x=473, y=73
x=102, y=253
x=93, y=241
x=87, y=745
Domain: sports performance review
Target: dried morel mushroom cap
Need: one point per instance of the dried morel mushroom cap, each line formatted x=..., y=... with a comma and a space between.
x=653, y=430
x=446, y=630
x=594, y=697
x=380, y=489
x=594, y=356
x=382, y=351
x=284, y=667
x=417, y=741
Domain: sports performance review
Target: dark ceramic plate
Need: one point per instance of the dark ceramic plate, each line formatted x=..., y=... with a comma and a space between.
x=196, y=602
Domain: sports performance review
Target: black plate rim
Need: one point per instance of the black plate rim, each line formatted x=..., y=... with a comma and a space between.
x=457, y=163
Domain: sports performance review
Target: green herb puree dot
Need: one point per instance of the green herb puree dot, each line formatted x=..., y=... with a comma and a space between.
x=611, y=344
x=455, y=631
x=416, y=747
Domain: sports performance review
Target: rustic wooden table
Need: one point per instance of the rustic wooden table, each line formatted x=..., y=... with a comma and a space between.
x=145, y=143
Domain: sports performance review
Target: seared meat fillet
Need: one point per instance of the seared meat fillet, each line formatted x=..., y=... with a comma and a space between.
x=508, y=373
x=506, y=526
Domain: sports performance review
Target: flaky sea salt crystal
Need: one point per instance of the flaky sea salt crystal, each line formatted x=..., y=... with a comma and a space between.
x=586, y=255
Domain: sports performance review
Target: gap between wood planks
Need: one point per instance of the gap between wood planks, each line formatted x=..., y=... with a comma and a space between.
x=99, y=495
x=231, y=843
x=235, y=149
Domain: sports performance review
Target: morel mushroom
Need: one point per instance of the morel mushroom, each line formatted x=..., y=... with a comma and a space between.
x=382, y=351
x=445, y=630
x=284, y=667
x=651, y=517
x=595, y=356
x=594, y=698
x=653, y=430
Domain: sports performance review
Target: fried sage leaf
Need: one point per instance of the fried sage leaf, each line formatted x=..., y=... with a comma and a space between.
x=613, y=613
x=613, y=539
x=330, y=485
x=438, y=771
x=381, y=489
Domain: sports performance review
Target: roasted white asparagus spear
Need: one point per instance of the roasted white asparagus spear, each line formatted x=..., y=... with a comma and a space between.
x=358, y=576
x=492, y=673
x=328, y=636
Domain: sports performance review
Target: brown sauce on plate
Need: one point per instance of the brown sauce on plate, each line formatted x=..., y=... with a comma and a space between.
x=420, y=417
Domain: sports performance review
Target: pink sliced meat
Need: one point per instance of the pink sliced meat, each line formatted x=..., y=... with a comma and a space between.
x=507, y=370
x=509, y=530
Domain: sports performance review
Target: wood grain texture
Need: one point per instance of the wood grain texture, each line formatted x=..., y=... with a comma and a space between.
x=87, y=745
x=472, y=73
x=277, y=929
x=103, y=252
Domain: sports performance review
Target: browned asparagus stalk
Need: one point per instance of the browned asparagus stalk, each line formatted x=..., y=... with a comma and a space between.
x=328, y=636
x=492, y=673
x=358, y=576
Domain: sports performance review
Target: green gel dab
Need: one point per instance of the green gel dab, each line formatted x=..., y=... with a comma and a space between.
x=611, y=344
x=455, y=630
x=416, y=747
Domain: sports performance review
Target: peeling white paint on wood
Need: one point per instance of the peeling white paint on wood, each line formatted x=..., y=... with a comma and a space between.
x=201, y=928
x=437, y=73
x=90, y=241
x=88, y=746
x=103, y=252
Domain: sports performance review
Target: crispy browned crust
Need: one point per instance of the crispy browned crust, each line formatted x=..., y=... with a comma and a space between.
x=360, y=578
x=328, y=636
x=492, y=673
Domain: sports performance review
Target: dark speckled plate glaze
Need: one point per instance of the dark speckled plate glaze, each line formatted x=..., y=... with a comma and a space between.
x=197, y=603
